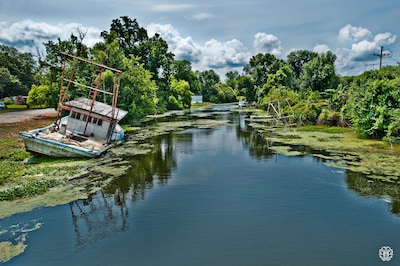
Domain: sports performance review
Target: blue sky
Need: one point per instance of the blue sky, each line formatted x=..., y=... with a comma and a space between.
x=221, y=35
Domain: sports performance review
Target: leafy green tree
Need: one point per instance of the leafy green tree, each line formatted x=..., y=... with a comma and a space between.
x=138, y=90
x=127, y=32
x=374, y=102
x=152, y=52
x=282, y=78
x=319, y=74
x=20, y=76
x=231, y=79
x=297, y=59
x=225, y=94
x=182, y=70
x=208, y=80
x=246, y=88
x=38, y=96
x=133, y=39
x=180, y=96
x=260, y=66
x=7, y=83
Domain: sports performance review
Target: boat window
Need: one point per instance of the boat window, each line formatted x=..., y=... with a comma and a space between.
x=73, y=114
x=99, y=122
x=94, y=120
x=90, y=119
x=84, y=117
x=78, y=116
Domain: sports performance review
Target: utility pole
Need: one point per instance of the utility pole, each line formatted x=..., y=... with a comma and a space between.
x=381, y=54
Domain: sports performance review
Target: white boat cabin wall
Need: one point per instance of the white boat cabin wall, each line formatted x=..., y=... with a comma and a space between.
x=83, y=123
x=91, y=119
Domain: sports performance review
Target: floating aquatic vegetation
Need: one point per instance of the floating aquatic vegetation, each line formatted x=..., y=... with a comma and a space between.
x=15, y=236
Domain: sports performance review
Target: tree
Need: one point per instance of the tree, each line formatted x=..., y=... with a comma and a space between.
x=138, y=90
x=282, y=78
x=38, y=96
x=374, y=103
x=225, y=94
x=7, y=83
x=231, y=79
x=20, y=76
x=152, y=52
x=260, y=66
x=182, y=70
x=208, y=80
x=128, y=33
x=297, y=59
x=133, y=39
x=246, y=88
x=319, y=74
x=180, y=96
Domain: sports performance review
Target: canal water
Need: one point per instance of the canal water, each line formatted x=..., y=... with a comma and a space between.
x=213, y=197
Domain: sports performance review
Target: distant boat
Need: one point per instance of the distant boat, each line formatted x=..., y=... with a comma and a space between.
x=242, y=102
x=90, y=125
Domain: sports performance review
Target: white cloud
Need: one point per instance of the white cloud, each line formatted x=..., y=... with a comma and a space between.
x=202, y=16
x=384, y=38
x=362, y=49
x=27, y=35
x=220, y=54
x=353, y=34
x=27, y=31
x=321, y=48
x=213, y=54
x=267, y=43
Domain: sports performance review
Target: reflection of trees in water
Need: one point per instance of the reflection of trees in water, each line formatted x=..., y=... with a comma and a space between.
x=98, y=216
x=364, y=186
x=106, y=212
x=257, y=145
x=147, y=169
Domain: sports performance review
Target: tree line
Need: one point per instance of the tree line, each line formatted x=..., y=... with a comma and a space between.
x=153, y=81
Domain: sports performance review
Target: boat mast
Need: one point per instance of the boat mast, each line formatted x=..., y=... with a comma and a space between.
x=93, y=90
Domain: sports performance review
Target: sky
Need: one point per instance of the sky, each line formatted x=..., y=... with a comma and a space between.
x=221, y=35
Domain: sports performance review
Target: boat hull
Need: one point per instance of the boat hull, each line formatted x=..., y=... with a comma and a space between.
x=45, y=147
x=57, y=147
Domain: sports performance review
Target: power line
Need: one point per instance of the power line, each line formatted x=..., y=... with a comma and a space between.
x=381, y=54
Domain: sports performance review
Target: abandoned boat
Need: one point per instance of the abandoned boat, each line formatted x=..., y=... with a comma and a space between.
x=90, y=126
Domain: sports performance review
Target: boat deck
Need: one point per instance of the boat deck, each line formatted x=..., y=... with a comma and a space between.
x=89, y=143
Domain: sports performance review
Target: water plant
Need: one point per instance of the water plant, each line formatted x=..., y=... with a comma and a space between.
x=31, y=188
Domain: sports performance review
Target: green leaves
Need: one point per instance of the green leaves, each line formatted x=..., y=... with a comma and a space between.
x=374, y=104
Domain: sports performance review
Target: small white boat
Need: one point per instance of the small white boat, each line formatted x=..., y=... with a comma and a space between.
x=90, y=128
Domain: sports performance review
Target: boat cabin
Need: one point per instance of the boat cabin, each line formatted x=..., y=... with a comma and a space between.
x=91, y=118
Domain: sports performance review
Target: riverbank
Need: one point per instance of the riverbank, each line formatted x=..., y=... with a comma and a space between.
x=338, y=147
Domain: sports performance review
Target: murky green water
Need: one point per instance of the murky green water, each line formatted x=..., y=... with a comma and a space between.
x=213, y=197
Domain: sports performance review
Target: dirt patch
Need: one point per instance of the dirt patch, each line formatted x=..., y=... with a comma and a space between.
x=22, y=116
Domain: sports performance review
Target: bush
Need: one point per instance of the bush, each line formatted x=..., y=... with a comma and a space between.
x=372, y=102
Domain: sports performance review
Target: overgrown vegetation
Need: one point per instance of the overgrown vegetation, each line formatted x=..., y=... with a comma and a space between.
x=31, y=188
x=19, y=178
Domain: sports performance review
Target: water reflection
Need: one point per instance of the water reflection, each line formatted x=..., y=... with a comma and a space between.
x=98, y=217
x=390, y=192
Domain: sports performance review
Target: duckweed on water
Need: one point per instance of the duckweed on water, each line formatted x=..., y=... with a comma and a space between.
x=9, y=250
x=342, y=148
